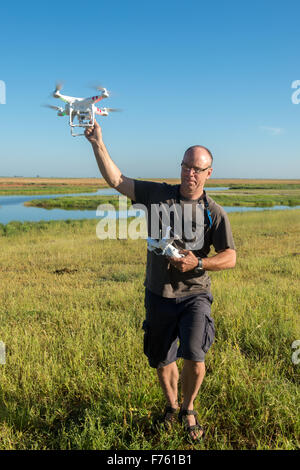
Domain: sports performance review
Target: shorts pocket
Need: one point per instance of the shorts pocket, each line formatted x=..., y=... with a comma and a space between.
x=209, y=333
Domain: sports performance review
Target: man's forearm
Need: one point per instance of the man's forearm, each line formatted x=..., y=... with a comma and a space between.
x=224, y=260
x=107, y=167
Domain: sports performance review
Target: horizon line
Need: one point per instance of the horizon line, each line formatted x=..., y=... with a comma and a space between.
x=150, y=177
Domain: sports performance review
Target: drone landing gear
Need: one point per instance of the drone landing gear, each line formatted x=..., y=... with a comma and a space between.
x=84, y=119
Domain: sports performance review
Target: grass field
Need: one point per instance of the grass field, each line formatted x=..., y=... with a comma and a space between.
x=92, y=202
x=27, y=186
x=249, y=195
x=242, y=192
x=71, y=314
x=76, y=202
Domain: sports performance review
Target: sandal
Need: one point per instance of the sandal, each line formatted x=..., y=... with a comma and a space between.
x=191, y=429
x=169, y=418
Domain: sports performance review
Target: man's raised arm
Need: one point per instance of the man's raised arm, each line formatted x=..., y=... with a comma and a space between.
x=107, y=167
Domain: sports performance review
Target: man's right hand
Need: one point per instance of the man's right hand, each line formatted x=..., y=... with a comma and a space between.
x=94, y=134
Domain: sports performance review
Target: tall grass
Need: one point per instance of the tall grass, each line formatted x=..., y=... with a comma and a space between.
x=76, y=202
x=49, y=189
x=257, y=200
x=92, y=202
x=75, y=377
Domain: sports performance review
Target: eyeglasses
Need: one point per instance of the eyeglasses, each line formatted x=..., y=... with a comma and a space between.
x=185, y=167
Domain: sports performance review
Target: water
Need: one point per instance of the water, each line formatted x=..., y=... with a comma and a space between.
x=249, y=209
x=12, y=208
x=216, y=189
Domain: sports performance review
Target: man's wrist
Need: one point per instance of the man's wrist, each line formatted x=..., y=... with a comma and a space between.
x=199, y=268
x=98, y=146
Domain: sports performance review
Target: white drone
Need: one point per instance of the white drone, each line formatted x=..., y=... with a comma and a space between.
x=164, y=246
x=83, y=109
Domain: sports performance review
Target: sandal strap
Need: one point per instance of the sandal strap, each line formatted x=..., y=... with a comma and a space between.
x=169, y=409
x=195, y=427
x=187, y=412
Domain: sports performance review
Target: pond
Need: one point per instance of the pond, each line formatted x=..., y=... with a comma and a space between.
x=12, y=208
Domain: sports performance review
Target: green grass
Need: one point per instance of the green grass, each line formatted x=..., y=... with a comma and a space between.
x=72, y=202
x=75, y=376
x=265, y=186
x=256, y=200
x=92, y=202
x=35, y=186
x=49, y=189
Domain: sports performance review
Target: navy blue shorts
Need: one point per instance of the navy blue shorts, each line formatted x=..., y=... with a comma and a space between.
x=184, y=319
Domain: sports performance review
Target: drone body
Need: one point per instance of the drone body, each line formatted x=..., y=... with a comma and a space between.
x=81, y=111
x=164, y=246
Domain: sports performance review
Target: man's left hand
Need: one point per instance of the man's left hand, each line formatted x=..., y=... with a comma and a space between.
x=186, y=263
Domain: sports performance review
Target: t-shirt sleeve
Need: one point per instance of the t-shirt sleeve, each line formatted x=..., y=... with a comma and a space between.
x=222, y=237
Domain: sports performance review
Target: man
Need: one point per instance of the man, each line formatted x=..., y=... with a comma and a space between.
x=177, y=297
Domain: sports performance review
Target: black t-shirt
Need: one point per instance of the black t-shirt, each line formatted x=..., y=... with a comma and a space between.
x=162, y=278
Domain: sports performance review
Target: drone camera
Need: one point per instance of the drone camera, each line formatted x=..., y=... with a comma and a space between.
x=84, y=118
x=81, y=119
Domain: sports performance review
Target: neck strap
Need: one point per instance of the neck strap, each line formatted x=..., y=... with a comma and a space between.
x=207, y=209
x=204, y=198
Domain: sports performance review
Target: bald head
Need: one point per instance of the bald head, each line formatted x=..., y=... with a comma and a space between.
x=195, y=170
x=200, y=151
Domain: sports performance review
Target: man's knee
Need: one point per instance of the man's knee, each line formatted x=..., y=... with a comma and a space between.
x=196, y=367
x=162, y=370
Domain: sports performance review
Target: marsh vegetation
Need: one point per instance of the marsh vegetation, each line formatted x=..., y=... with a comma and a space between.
x=71, y=315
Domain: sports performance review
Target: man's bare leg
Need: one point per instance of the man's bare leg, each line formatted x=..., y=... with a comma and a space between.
x=168, y=379
x=192, y=375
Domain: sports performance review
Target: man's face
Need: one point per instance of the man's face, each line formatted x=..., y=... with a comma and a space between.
x=195, y=159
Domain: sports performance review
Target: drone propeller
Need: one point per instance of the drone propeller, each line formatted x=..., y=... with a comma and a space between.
x=98, y=87
x=56, y=108
x=112, y=110
x=58, y=86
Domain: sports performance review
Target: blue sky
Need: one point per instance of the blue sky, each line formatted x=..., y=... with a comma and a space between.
x=212, y=73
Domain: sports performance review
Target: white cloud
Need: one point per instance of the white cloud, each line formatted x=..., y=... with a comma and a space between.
x=272, y=130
